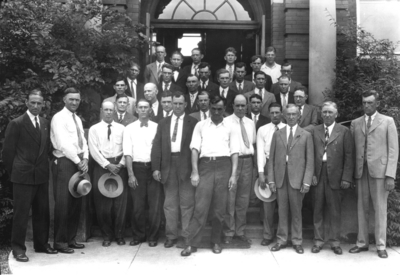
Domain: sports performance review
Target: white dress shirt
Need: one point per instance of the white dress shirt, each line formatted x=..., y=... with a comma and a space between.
x=32, y=118
x=229, y=68
x=192, y=98
x=155, y=107
x=176, y=74
x=274, y=72
x=250, y=131
x=288, y=134
x=121, y=116
x=260, y=93
x=132, y=83
x=159, y=65
x=223, y=92
x=101, y=148
x=165, y=114
x=138, y=141
x=255, y=117
x=195, y=68
x=176, y=146
x=64, y=136
x=330, y=128
x=372, y=118
x=264, y=138
x=202, y=115
x=205, y=83
x=215, y=140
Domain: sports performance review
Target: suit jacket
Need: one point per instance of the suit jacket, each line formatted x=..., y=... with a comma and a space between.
x=267, y=100
x=211, y=88
x=196, y=115
x=191, y=109
x=160, y=115
x=150, y=73
x=128, y=118
x=229, y=100
x=300, y=165
x=276, y=91
x=25, y=152
x=181, y=80
x=247, y=86
x=172, y=87
x=382, y=150
x=161, y=150
x=262, y=120
x=139, y=89
x=339, y=152
x=309, y=116
x=268, y=82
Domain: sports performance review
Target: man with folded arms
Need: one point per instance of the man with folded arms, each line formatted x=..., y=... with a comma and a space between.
x=105, y=145
x=71, y=155
x=213, y=175
x=290, y=175
x=137, y=144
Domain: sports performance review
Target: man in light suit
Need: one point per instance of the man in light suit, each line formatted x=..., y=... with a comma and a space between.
x=204, y=106
x=286, y=70
x=121, y=116
x=290, y=175
x=267, y=97
x=134, y=87
x=206, y=83
x=240, y=85
x=333, y=155
x=171, y=165
x=376, y=153
x=309, y=114
x=25, y=155
x=152, y=72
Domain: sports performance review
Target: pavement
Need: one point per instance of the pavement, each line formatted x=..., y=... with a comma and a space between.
x=95, y=259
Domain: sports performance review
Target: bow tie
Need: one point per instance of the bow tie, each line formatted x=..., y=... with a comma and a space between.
x=145, y=124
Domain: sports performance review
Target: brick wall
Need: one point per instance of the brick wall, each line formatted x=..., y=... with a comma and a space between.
x=278, y=31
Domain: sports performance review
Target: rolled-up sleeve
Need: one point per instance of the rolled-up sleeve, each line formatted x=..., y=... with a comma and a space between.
x=196, y=138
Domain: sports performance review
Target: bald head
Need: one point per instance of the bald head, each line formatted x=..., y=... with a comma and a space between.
x=240, y=106
x=107, y=104
x=150, y=92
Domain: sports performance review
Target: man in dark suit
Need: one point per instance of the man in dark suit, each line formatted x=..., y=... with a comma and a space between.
x=120, y=88
x=256, y=63
x=166, y=83
x=376, y=155
x=193, y=69
x=287, y=70
x=255, y=102
x=205, y=81
x=224, y=91
x=204, y=106
x=290, y=175
x=25, y=155
x=283, y=91
x=152, y=71
x=121, y=116
x=192, y=98
x=309, y=114
x=150, y=94
x=230, y=58
x=134, y=87
x=240, y=85
x=179, y=76
x=333, y=155
x=171, y=165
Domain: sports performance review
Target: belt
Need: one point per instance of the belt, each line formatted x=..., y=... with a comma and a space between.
x=213, y=158
x=245, y=156
x=142, y=163
x=115, y=160
x=176, y=154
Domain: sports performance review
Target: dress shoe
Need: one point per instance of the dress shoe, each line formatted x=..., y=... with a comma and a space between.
x=65, y=250
x=47, y=250
x=120, y=241
x=136, y=242
x=76, y=245
x=227, y=239
x=152, y=243
x=266, y=242
x=337, y=250
x=21, y=257
x=278, y=247
x=106, y=243
x=243, y=238
x=358, y=249
x=299, y=249
x=216, y=249
x=170, y=243
x=188, y=251
x=316, y=249
x=382, y=254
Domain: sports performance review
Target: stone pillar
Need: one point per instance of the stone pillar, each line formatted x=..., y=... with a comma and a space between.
x=322, y=48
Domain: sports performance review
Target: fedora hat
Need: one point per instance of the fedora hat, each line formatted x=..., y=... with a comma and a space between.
x=264, y=194
x=79, y=185
x=110, y=185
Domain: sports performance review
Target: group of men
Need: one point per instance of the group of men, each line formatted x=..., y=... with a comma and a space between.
x=186, y=147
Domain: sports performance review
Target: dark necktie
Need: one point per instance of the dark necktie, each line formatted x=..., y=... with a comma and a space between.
x=167, y=113
x=244, y=134
x=166, y=87
x=240, y=88
x=289, y=144
x=37, y=127
x=80, y=140
x=223, y=93
x=120, y=118
x=276, y=128
x=109, y=131
x=175, y=129
x=205, y=115
x=203, y=85
x=260, y=92
x=326, y=138
x=145, y=124
x=300, y=107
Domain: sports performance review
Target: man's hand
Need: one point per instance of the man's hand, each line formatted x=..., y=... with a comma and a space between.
x=83, y=166
x=314, y=181
x=304, y=188
x=272, y=186
x=261, y=180
x=195, y=179
x=113, y=168
x=232, y=182
x=132, y=182
x=157, y=175
x=389, y=183
x=345, y=184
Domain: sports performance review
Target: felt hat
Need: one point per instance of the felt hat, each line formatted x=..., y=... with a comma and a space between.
x=264, y=194
x=110, y=185
x=79, y=185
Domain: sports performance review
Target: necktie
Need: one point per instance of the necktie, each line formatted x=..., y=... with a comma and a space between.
x=255, y=119
x=80, y=140
x=192, y=99
x=196, y=70
x=205, y=115
x=223, y=93
x=145, y=124
x=168, y=113
x=109, y=131
x=159, y=70
x=244, y=134
x=166, y=86
x=230, y=71
x=301, y=107
x=120, y=118
x=276, y=128
x=203, y=85
x=37, y=126
x=289, y=144
x=175, y=129
x=132, y=89
x=284, y=101
x=326, y=138
x=240, y=88
x=261, y=94
x=366, y=138
x=369, y=122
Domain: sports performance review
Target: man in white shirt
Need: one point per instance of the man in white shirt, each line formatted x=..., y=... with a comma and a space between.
x=230, y=58
x=193, y=69
x=239, y=195
x=105, y=146
x=71, y=155
x=150, y=94
x=204, y=106
x=120, y=89
x=153, y=71
x=137, y=145
x=213, y=175
x=166, y=104
x=264, y=138
x=270, y=67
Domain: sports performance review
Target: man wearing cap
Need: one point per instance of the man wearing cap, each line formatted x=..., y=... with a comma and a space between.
x=264, y=138
x=204, y=106
x=171, y=165
x=239, y=195
x=137, y=145
x=105, y=145
x=213, y=175
x=290, y=175
x=71, y=155
x=121, y=116
x=25, y=155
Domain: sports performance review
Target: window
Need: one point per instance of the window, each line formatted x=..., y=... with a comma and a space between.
x=188, y=42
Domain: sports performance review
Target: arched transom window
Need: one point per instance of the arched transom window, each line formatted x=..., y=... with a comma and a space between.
x=205, y=10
